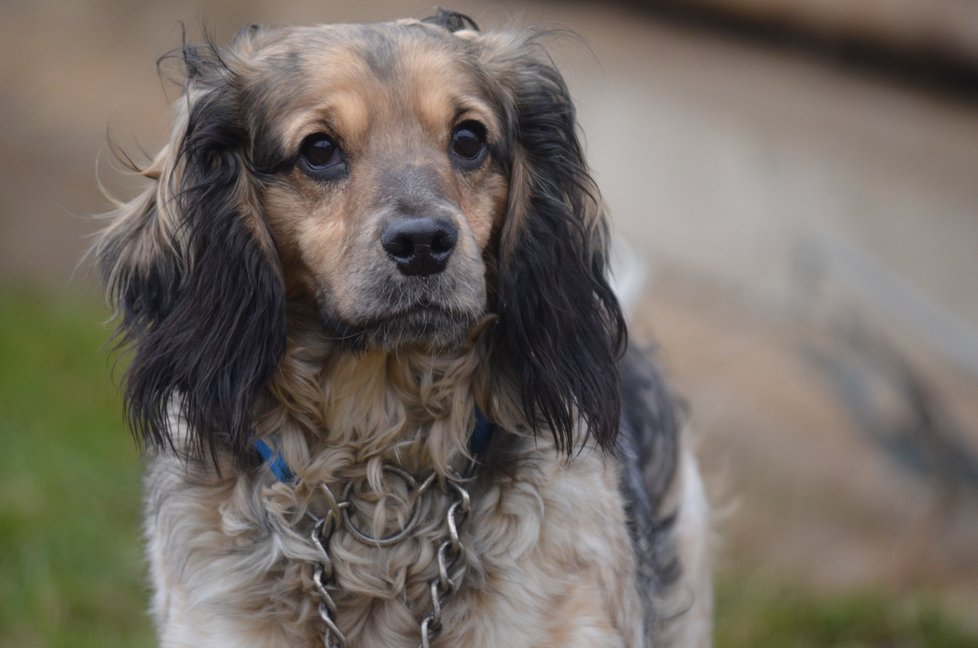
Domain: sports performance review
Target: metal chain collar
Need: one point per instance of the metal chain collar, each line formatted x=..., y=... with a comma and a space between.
x=450, y=556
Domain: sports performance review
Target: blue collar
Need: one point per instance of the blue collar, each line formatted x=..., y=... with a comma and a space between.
x=276, y=463
x=481, y=435
x=478, y=442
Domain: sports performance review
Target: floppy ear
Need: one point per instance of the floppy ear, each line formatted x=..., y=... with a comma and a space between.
x=191, y=267
x=561, y=329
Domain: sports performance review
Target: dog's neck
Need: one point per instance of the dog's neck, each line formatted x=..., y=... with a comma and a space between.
x=337, y=412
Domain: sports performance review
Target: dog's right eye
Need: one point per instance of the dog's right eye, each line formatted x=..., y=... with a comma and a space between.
x=319, y=156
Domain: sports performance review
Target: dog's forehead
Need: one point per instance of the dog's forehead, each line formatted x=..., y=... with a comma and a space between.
x=350, y=75
x=376, y=44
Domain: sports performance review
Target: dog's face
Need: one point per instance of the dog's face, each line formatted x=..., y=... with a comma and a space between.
x=392, y=184
x=385, y=183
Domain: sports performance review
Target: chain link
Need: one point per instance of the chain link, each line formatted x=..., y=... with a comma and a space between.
x=451, y=564
x=450, y=556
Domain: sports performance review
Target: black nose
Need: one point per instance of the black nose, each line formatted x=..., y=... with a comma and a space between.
x=419, y=246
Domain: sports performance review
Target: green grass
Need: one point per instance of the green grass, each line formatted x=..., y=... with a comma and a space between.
x=777, y=611
x=71, y=572
x=70, y=566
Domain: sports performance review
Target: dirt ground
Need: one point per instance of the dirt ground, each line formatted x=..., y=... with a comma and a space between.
x=807, y=233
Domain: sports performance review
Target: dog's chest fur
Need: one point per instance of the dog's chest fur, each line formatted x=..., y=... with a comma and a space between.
x=549, y=558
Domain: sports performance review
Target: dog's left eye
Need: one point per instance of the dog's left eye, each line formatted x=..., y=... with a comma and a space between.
x=320, y=156
x=469, y=143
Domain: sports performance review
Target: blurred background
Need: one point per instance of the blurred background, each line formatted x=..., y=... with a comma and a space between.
x=796, y=183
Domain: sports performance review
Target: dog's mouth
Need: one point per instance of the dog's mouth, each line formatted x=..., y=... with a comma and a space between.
x=424, y=323
x=420, y=313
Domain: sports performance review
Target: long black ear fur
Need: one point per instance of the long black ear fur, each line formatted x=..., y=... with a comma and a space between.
x=561, y=329
x=202, y=299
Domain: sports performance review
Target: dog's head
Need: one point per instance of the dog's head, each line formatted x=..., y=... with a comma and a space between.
x=395, y=183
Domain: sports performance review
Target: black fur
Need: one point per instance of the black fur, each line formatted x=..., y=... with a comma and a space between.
x=561, y=328
x=208, y=325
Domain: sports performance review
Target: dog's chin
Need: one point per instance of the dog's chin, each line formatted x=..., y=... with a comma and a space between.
x=428, y=328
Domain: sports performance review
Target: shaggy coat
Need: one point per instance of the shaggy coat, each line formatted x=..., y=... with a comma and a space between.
x=358, y=237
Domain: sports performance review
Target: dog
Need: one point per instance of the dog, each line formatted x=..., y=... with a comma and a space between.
x=377, y=364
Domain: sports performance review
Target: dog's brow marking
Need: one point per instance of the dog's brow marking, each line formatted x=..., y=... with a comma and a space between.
x=350, y=111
